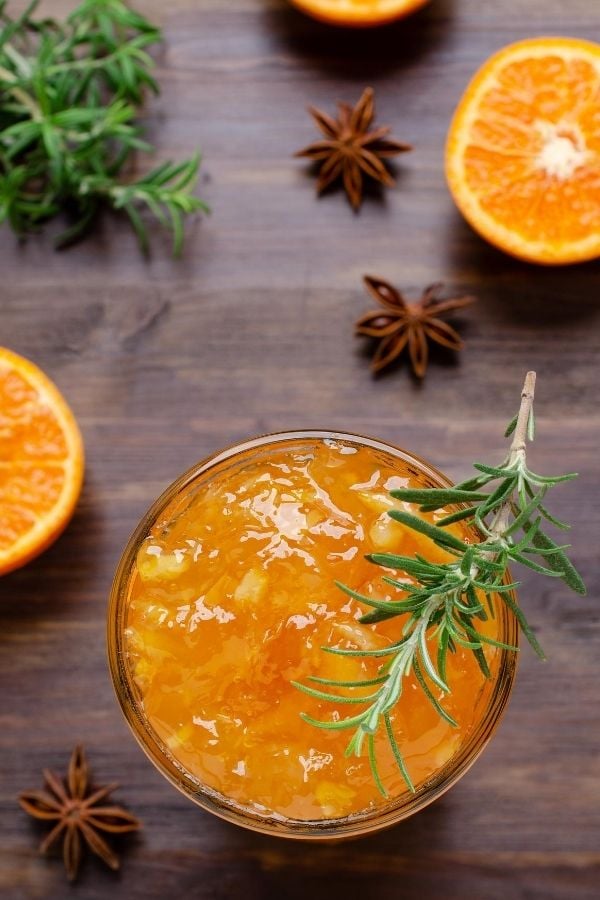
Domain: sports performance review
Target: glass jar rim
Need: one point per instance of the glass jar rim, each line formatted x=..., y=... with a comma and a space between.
x=211, y=800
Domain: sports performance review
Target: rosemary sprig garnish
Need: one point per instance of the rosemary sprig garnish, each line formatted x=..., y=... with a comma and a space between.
x=444, y=601
x=69, y=94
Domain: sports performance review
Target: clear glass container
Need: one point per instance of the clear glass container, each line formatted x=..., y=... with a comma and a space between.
x=368, y=821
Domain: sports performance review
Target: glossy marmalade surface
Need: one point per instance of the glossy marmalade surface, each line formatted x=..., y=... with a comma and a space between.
x=233, y=596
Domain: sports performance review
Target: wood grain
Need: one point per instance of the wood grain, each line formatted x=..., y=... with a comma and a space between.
x=251, y=331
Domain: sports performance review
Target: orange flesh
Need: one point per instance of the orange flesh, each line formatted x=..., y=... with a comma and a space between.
x=41, y=461
x=232, y=598
x=524, y=150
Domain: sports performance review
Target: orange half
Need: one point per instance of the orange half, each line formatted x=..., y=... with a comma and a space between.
x=41, y=461
x=523, y=150
x=359, y=13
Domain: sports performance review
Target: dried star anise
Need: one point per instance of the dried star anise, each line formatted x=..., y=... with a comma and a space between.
x=74, y=807
x=409, y=325
x=349, y=150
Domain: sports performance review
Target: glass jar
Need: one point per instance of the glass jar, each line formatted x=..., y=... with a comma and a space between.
x=217, y=467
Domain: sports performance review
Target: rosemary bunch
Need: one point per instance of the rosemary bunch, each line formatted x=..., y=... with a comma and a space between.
x=69, y=93
x=445, y=601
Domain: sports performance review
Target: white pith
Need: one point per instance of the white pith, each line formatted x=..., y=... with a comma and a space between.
x=563, y=151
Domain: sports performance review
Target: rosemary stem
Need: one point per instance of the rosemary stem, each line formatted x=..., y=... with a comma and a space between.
x=87, y=64
x=517, y=452
x=447, y=598
x=517, y=448
x=19, y=94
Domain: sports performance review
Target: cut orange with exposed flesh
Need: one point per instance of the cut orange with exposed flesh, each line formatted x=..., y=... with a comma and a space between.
x=523, y=151
x=359, y=13
x=41, y=461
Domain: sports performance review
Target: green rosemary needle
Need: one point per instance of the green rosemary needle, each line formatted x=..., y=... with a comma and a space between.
x=504, y=504
x=69, y=93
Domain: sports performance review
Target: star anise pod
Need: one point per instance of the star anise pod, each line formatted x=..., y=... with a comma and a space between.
x=350, y=150
x=411, y=325
x=74, y=807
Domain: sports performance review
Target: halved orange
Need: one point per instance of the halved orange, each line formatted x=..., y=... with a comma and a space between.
x=358, y=13
x=41, y=461
x=523, y=150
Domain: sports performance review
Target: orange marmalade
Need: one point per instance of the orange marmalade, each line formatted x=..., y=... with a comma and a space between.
x=232, y=597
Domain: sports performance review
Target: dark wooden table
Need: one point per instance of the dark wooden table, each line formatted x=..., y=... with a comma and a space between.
x=251, y=331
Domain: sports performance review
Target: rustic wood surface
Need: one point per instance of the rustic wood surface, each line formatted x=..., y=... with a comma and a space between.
x=251, y=331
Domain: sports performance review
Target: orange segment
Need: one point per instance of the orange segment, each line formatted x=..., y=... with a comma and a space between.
x=523, y=151
x=359, y=13
x=41, y=461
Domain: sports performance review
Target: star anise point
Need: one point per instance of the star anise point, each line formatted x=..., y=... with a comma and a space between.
x=72, y=804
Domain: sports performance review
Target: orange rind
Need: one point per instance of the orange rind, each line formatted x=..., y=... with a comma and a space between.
x=359, y=13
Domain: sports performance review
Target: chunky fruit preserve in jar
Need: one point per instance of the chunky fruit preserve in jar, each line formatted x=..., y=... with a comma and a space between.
x=231, y=597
